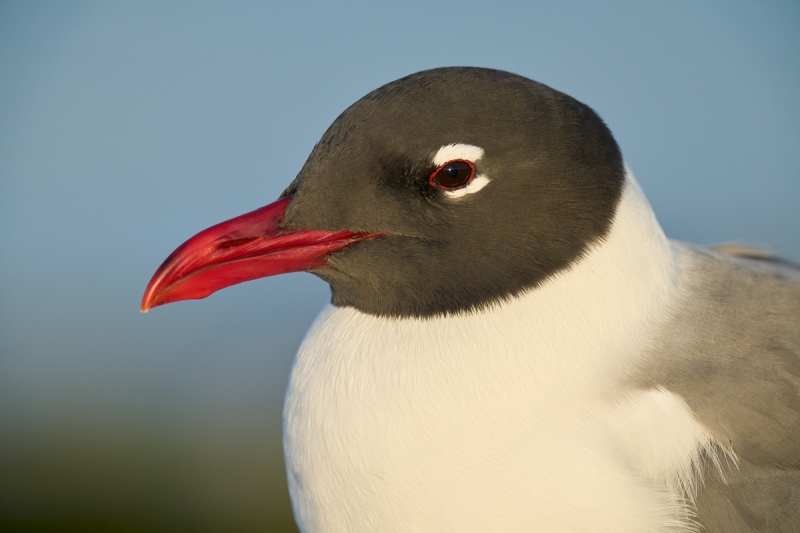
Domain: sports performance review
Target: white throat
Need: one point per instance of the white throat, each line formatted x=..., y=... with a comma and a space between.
x=509, y=419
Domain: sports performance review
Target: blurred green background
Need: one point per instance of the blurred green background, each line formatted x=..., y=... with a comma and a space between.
x=125, y=127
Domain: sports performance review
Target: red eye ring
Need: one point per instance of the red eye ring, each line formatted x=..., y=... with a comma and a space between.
x=453, y=175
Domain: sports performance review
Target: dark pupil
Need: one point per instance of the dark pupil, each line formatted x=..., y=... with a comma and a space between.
x=455, y=174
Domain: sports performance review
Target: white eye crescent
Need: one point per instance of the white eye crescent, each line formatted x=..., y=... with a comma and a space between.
x=457, y=151
x=462, y=152
x=478, y=183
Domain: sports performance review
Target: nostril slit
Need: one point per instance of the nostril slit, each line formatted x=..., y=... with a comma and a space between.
x=236, y=242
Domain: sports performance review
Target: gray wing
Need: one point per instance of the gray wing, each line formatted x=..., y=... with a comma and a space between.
x=732, y=351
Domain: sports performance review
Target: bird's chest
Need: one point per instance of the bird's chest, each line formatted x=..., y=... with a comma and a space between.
x=402, y=429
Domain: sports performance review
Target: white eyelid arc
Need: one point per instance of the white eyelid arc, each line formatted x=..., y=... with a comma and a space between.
x=450, y=152
x=478, y=183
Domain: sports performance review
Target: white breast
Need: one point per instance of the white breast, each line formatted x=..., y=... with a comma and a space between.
x=514, y=419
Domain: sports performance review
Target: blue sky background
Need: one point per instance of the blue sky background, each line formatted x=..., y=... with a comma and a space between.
x=125, y=127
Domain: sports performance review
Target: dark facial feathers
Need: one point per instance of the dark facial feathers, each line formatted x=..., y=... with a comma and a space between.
x=555, y=172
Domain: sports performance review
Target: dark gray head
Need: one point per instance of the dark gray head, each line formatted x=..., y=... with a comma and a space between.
x=555, y=176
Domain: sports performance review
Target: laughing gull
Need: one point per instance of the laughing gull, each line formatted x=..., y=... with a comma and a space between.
x=512, y=343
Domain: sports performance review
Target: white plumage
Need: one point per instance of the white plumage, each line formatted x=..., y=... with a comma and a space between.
x=496, y=420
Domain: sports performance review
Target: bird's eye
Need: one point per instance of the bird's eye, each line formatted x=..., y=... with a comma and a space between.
x=453, y=174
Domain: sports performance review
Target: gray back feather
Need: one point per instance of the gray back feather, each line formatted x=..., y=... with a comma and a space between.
x=732, y=350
